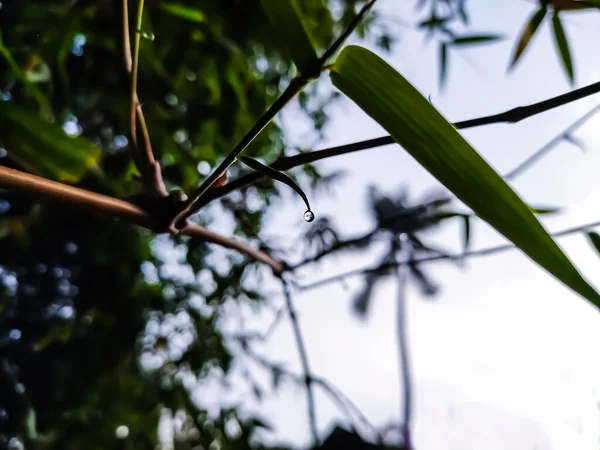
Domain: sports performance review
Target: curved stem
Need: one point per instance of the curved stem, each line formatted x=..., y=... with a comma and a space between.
x=308, y=378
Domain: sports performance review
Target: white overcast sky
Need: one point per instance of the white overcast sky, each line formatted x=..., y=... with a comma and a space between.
x=505, y=357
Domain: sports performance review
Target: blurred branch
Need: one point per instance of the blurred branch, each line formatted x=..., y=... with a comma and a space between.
x=345, y=404
x=308, y=378
x=511, y=116
x=521, y=168
x=404, y=359
x=196, y=200
x=470, y=254
x=139, y=138
x=43, y=188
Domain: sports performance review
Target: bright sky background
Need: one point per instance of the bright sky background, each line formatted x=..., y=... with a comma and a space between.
x=505, y=356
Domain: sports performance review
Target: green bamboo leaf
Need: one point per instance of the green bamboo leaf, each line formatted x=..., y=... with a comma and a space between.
x=183, y=12
x=417, y=126
x=563, y=45
x=43, y=147
x=544, y=211
x=476, y=39
x=286, y=19
x=528, y=33
x=443, y=63
x=594, y=239
x=279, y=176
x=466, y=232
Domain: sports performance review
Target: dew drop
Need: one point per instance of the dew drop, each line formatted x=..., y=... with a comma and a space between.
x=309, y=216
x=146, y=35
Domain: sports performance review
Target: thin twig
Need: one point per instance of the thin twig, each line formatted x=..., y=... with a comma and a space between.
x=511, y=116
x=535, y=157
x=139, y=138
x=43, y=188
x=308, y=378
x=196, y=201
x=134, y=69
x=470, y=254
x=348, y=406
x=345, y=404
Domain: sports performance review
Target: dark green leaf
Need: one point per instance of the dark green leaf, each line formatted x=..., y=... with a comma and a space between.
x=43, y=147
x=417, y=126
x=595, y=240
x=563, y=46
x=528, y=33
x=466, y=232
x=443, y=63
x=286, y=19
x=476, y=39
x=183, y=12
x=276, y=175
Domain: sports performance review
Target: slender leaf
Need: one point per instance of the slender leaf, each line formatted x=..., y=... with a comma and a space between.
x=417, y=126
x=563, y=45
x=476, y=39
x=443, y=63
x=594, y=238
x=528, y=33
x=43, y=147
x=466, y=232
x=544, y=211
x=184, y=12
x=287, y=21
x=276, y=175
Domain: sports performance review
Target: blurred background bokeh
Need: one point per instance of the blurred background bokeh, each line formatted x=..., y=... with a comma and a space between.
x=112, y=337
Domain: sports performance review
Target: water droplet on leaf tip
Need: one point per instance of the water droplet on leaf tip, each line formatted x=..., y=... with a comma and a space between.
x=309, y=216
x=146, y=35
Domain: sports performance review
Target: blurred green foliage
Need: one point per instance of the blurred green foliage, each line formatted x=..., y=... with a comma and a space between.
x=97, y=329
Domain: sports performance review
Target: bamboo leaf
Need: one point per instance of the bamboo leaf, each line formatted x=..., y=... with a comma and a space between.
x=279, y=176
x=563, y=45
x=286, y=19
x=443, y=63
x=466, y=232
x=528, y=33
x=594, y=239
x=43, y=147
x=183, y=12
x=417, y=126
x=476, y=39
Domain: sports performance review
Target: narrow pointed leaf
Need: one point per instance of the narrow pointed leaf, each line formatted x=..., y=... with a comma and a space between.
x=183, y=12
x=544, y=211
x=563, y=45
x=476, y=39
x=528, y=33
x=276, y=175
x=443, y=63
x=594, y=238
x=417, y=126
x=466, y=232
x=287, y=22
x=43, y=147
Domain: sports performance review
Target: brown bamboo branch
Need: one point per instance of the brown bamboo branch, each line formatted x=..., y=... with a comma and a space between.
x=511, y=116
x=139, y=138
x=45, y=189
x=215, y=238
